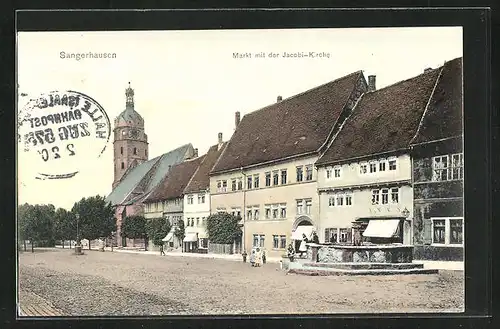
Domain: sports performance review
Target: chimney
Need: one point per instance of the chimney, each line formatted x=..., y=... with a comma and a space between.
x=279, y=99
x=371, y=83
x=195, y=154
x=428, y=69
x=220, y=138
x=236, y=119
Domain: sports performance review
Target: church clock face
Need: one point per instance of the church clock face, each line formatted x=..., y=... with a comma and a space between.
x=134, y=133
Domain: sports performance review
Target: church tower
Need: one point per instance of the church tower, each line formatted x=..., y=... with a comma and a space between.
x=130, y=140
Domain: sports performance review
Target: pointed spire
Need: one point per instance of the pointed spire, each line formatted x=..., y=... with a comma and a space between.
x=129, y=93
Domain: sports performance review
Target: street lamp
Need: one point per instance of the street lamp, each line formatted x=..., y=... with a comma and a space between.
x=77, y=231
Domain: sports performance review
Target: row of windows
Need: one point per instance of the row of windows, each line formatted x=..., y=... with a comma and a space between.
x=381, y=165
x=271, y=211
x=135, y=151
x=272, y=178
x=448, y=167
x=200, y=221
x=447, y=231
x=338, y=235
x=175, y=219
x=160, y=206
x=201, y=199
x=339, y=200
x=279, y=241
x=383, y=196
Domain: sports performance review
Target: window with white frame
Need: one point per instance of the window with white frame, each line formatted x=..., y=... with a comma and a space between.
x=259, y=240
x=336, y=172
x=268, y=179
x=249, y=182
x=300, y=173
x=279, y=241
x=392, y=163
x=240, y=184
x=190, y=199
x=197, y=221
x=329, y=173
x=385, y=196
x=221, y=209
x=276, y=177
x=309, y=172
x=338, y=235
x=267, y=209
x=275, y=209
x=381, y=165
x=331, y=201
x=375, y=197
x=394, y=195
x=447, y=167
x=222, y=186
x=249, y=213
x=256, y=181
x=339, y=200
x=348, y=199
x=201, y=198
x=300, y=207
x=282, y=210
x=256, y=213
x=283, y=176
x=308, y=206
x=373, y=167
x=233, y=184
x=447, y=231
x=363, y=168
x=236, y=212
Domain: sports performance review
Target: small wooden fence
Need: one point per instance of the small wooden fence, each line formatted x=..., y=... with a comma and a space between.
x=217, y=248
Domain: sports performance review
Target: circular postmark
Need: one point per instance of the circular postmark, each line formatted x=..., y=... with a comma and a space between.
x=59, y=132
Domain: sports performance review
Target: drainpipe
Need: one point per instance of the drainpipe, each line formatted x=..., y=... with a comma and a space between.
x=412, y=213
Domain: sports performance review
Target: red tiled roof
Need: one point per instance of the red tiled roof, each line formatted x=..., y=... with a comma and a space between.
x=298, y=125
x=443, y=118
x=201, y=180
x=383, y=120
x=172, y=186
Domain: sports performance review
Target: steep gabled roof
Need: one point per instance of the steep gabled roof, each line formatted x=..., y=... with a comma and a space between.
x=173, y=184
x=298, y=125
x=145, y=176
x=444, y=116
x=384, y=120
x=201, y=179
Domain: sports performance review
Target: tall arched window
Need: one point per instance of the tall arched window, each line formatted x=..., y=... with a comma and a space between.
x=145, y=152
x=123, y=165
x=121, y=150
x=135, y=150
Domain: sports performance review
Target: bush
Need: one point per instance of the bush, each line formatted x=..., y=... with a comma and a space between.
x=223, y=228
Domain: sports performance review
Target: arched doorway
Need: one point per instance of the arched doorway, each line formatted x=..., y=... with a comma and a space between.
x=301, y=225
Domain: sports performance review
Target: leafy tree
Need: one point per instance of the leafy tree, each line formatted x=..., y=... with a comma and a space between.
x=36, y=223
x=64, y=225
x=180, y=230
x=223, y=228
x=157, y=229
x=134, y=227
x=96, y=218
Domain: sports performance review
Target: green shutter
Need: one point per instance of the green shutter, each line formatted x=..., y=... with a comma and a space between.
x=427, y=233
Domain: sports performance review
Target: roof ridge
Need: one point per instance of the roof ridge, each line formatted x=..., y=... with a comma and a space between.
x=304, y=92
x=405, y=80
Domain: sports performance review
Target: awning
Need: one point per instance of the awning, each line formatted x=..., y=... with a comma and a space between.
x=381, y=228
x=307, y=230
x=168, y=237
x=190, y=237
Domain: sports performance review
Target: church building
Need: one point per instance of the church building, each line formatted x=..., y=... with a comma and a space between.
x=134, y=175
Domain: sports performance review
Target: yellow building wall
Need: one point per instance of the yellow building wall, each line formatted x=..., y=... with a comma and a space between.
x=281, y=194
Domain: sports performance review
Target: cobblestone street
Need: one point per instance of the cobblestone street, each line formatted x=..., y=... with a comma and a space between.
x=113, y=283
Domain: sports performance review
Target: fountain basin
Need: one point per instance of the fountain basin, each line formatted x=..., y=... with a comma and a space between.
x=387, y=253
